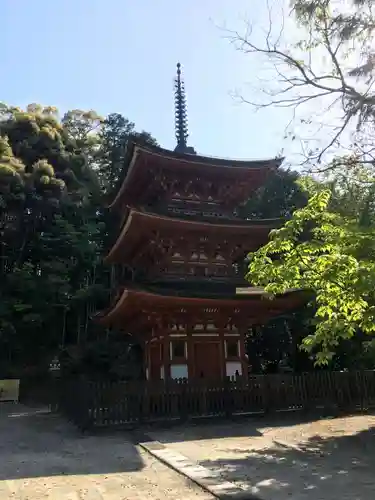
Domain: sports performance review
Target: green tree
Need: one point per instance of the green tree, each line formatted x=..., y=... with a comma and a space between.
x=331, y=254
x=277, y=198
x=52, y=228
x=114, y=136
x=49, y=231
x=324, y=69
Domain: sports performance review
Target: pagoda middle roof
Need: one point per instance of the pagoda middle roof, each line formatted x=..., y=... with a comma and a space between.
x=139, y=224
x=135, y=152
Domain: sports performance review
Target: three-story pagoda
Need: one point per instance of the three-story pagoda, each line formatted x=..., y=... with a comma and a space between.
x=179, y=258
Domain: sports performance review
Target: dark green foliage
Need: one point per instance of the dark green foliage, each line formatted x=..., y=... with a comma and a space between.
x=52, y=228
x=109, y=358
x=279, y=197
x=114, y=136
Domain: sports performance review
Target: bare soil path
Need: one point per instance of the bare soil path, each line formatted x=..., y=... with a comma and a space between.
x=42, y=457
x=319, y=459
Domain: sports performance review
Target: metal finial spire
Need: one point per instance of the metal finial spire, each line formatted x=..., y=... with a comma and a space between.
x=181, y=123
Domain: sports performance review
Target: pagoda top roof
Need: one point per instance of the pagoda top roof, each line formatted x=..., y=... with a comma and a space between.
x=192, y=158
x=177, y=160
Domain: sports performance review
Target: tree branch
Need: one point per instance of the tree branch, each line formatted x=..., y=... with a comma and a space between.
x=330, y=33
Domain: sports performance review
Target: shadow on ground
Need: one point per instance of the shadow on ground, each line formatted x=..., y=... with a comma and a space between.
x=238, y=426
x=286, y=457
x=38, y=445
x=319, y=468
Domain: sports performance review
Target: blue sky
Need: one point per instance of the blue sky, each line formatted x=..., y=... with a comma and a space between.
x=120, y=56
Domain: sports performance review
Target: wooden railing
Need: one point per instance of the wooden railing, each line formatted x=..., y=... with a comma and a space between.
x=92, y=404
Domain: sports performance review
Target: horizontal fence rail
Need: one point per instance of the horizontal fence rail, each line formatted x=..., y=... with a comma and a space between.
x=107, y=404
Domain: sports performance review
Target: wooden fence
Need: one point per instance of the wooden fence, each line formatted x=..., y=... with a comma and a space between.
x=96, y=404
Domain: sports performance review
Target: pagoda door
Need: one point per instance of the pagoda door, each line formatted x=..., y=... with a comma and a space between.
x=207, y=360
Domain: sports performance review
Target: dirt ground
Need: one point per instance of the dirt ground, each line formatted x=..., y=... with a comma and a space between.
x=42, y=457
x=323, y=459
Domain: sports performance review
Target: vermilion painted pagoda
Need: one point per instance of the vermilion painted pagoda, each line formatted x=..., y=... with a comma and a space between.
x=179, y=258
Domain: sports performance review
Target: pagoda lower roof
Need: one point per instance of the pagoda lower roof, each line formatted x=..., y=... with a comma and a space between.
x=135, y=306
x=140, y=226
x=139, y=156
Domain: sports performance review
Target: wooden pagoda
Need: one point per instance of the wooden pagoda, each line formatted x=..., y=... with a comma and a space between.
x=179, y=257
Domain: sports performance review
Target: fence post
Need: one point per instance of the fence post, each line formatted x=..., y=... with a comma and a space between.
x=80, y=392
x=227, y=397
x=266, y=393
x=141, y=403
x=183, y=394
x=362, y=388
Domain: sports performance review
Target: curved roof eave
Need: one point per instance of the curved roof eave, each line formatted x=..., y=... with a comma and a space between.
x=208, y=160
x=137, y=216
x=133, y=149
x=153, y=298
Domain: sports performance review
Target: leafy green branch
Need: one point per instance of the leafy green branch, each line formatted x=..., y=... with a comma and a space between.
x=323, y=252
